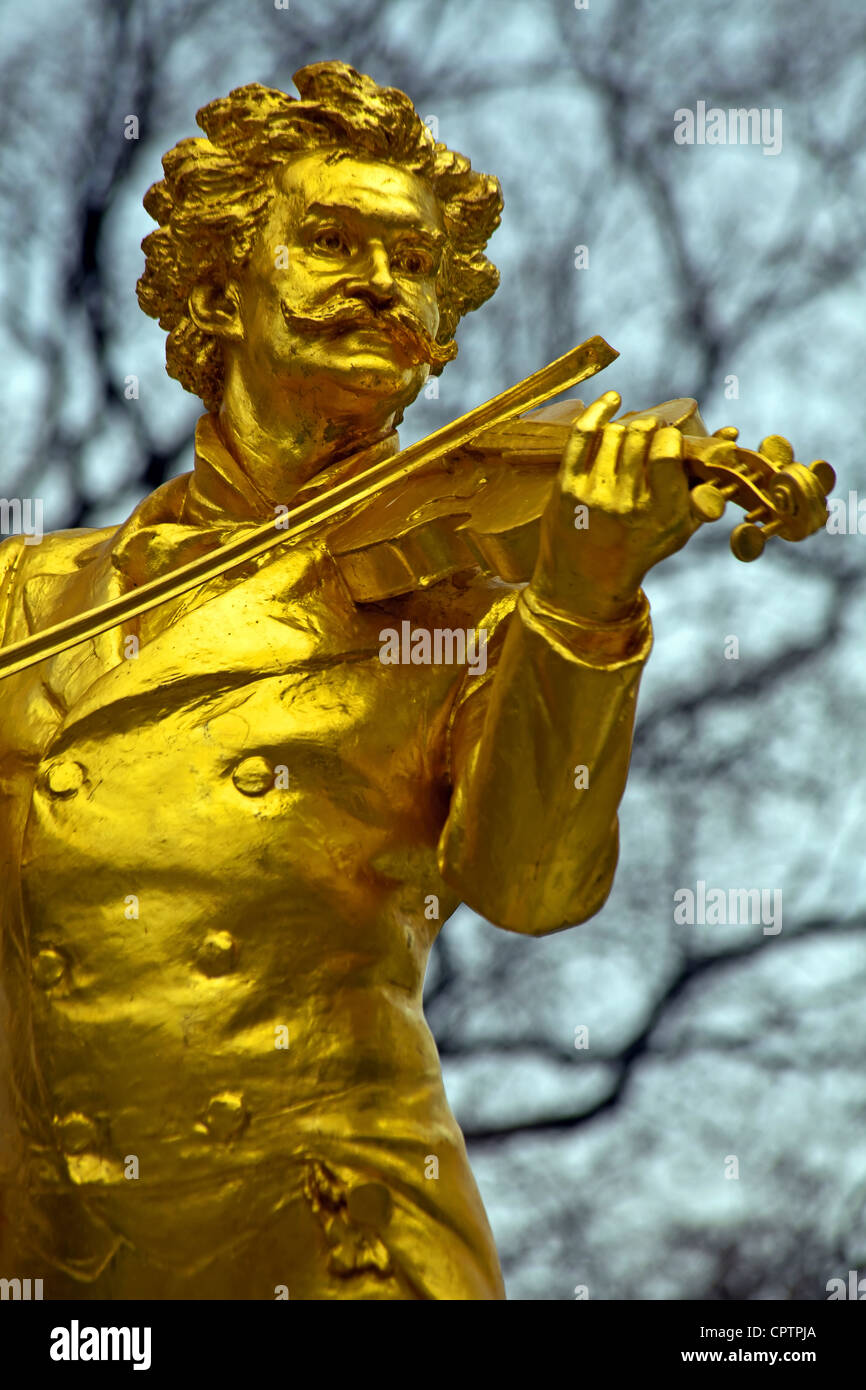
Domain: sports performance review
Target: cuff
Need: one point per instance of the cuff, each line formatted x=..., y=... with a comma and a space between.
x=603, y=644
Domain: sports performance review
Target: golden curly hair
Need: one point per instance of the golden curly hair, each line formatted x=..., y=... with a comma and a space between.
x=216, y=193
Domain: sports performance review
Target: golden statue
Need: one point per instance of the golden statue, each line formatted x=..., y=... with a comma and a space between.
x=258, y=742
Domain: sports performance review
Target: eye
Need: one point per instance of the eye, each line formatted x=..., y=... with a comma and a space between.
x=332, y=241
x=413, y=260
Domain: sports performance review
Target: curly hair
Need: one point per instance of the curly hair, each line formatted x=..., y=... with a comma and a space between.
x=216, y=193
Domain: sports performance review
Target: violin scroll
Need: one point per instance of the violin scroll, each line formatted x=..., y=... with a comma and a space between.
x=780, y=496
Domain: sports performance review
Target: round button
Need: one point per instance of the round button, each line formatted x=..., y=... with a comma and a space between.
x=48, y=967
x=370, y=1204
x=76, y=1132
x=254, y=776
x=226, y=1116
x=64, y=778
x=217, y=954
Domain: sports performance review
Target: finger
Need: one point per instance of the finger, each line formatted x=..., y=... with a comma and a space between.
x=667, y=445
x=605, y=465
x=578, y=453
x=632, y=468
x=665, y=472
x=600, y=411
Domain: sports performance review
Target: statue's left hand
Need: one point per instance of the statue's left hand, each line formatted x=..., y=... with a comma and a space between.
x=619, y=506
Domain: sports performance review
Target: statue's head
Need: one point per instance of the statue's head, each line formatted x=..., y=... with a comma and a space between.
x=327, y=240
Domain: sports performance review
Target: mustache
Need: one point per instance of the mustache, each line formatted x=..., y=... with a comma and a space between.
x=401, y=325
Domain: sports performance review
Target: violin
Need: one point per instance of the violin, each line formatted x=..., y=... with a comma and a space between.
x=482, y=509
x=470, y=497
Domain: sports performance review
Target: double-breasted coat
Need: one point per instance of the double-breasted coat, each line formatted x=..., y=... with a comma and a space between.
x=229, y=834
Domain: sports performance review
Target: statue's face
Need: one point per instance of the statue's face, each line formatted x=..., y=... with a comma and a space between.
x=352, y=237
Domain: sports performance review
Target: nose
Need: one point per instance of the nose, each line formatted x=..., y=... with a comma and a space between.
x=374, y=281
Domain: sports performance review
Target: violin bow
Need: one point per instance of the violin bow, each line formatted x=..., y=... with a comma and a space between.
x=581, y=362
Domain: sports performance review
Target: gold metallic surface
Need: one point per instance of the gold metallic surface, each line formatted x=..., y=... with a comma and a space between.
x=234, y=819
x=352, y=495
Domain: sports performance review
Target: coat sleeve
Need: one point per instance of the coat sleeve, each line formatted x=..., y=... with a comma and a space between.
x=539, y=755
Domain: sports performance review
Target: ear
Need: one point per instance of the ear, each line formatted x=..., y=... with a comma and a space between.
x=216, y=309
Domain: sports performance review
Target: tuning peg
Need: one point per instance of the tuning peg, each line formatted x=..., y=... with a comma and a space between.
x=825, y=473
x=708, y=502
x=777, y=449
x=748, y=540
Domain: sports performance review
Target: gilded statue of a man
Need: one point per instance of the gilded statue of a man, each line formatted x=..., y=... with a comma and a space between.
x=230, y=830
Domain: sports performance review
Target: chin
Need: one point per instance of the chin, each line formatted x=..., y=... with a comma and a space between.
x=371, y=373
x=356, y=370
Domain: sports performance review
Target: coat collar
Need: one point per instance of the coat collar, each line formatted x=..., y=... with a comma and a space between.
x=198, y=511
x=182, y=519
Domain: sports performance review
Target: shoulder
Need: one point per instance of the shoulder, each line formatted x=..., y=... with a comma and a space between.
x=58, y=554
x=55, y=552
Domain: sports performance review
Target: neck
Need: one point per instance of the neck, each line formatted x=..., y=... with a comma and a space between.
x=280, y=446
